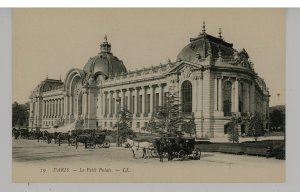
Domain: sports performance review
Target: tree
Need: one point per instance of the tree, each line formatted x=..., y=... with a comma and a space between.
x=255, y=127
x=124, y=124
x=233, y=132
x=168, y=118
x=20, y=114
x=189, y=127
x=152, y=128
x=277, y=118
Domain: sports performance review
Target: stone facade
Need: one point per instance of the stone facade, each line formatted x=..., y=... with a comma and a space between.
x=222, y=81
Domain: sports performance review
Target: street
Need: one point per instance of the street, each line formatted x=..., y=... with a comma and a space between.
x=41, y=162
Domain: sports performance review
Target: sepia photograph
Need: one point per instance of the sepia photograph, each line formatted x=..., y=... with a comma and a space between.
x=148, y=95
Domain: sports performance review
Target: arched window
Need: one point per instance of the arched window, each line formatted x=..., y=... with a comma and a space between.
x=227, y=98
x=186, y=95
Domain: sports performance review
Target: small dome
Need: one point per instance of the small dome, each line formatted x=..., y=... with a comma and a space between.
x=105, y=62
x=204, y=45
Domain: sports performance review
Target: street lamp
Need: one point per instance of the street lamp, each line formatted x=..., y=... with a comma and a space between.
x=118, y=100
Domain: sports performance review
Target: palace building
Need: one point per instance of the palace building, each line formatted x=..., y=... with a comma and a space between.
x=213, y=80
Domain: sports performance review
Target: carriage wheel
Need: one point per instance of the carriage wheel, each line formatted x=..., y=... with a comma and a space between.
x=100, y=145
x=197, y=154
x=73, y=142
x=106, y=144
x=92, y=145
x=154, y=152
x=181, y=155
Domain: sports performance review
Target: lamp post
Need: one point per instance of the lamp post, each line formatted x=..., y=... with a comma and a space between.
x=118, y=100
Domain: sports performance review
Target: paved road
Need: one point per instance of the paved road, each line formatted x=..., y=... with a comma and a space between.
x=29, y=155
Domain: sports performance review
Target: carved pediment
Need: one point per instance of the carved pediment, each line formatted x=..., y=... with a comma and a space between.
x=184, y=68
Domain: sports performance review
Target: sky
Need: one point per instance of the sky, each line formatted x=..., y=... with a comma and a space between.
x=53, y=41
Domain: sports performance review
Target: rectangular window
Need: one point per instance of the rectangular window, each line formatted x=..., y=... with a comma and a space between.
x=105, y=124
x=137, y=124
x=156, y=99
x=146, y=124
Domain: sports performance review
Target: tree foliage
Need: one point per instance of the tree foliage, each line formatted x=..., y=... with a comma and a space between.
x=190, y=127
x=277, y=118
x=124, y=124
x=233, y=132
x=255, y=127
x=20, y=114
x=168, y=118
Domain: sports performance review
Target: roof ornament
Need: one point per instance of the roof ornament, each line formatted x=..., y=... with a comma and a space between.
x=60, y=77
x=105, y=38
x=46, y=75
x=203, y=27
x=220, y=33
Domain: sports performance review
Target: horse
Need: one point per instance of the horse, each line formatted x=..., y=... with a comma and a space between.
x=164, y=146
x=136, y=145
x=63, y=137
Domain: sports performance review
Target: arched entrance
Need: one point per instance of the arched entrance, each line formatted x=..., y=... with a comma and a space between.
x=186, y=95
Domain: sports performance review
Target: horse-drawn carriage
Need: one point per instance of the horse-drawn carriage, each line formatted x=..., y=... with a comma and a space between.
x=90, y=139
x=176, y=147
x=165, y=147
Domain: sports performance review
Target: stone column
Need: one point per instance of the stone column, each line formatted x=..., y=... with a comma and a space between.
x=116, y=95
x=109, y=103
x=43, y=109
x=61, y=107
x=86, y=103
x=92, y=109
x=215, y=99
x=135, y=102
x=252, y=97
x=129, y=100
x=161, y=89
x=144, y=94
x=236, y=96
x=151, y=99
x=220, y=100
x=104, y=106
x=71, y=109
x=56, y=108
x=53, y=108
x=248, y=96
x=122, y=99
x=46, y=108
x=49, y=108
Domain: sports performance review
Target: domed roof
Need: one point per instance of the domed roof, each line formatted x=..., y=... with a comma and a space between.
x=105, y=62
x=204, y=45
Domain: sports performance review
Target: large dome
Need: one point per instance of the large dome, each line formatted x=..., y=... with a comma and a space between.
x=204, y=45
x=105, y=62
